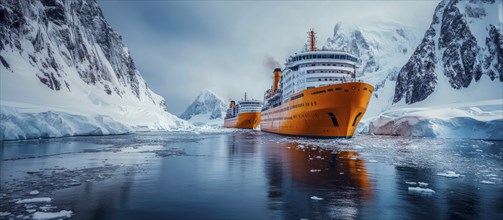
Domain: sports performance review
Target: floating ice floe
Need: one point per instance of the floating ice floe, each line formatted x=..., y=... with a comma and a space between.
x=46, y=208
x=52, y=215
x=357, y=147
x=314, y=170
x=34, y=192
x=41, y=199
x=423, y=184
x=420, y=190
x=487, y=182
x=411, y=183
x=3, y=214
x=316, y=198
x=300, y=146
x=372, y=161
x=441, y=121
x=450, y=174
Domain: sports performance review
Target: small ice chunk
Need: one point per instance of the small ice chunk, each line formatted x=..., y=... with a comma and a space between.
x=314, y=170
x=47, y=208
x=34, y=192
x=372, y=161
x=41, y=199
x=3, y=214
x=316, y=198
x=31, y=210
x=318, y=157
x=30, y=206
x=341, y=173
x=357, y=147
x=450, y=174
x=411, y=183
x=52, y=215
x=420, y=190
x=487, y=182
x=300, y=146
x=423, y=184
x=478, y=150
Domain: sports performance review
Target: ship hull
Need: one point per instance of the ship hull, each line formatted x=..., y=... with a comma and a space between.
x=331, y=111
x=249, y=120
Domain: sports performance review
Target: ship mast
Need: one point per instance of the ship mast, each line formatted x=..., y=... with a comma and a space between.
x=312, y=40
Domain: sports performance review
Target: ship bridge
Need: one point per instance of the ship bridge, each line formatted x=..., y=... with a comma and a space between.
x=314, y=68
x=311, y=69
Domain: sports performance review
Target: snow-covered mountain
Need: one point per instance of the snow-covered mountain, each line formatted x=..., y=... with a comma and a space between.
x=63, y=59
x=383, y=48
x=462, y=48
x=452, y=84
x=206, y=108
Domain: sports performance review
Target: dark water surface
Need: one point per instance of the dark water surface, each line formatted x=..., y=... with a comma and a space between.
x=252, y=175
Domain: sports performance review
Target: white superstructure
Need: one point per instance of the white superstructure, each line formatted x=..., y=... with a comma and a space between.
x=310, y=69
x=243, y=106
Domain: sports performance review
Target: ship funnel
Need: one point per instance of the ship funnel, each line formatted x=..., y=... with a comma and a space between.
x=232, y=105
x=277, y=76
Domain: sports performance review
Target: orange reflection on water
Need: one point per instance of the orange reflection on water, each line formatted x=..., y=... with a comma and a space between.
x=318, y=166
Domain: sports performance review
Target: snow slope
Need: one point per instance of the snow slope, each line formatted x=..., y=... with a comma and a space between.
x=383, y=48
x=64, y=71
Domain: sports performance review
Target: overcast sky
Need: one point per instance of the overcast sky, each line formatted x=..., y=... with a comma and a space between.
x=184, y=47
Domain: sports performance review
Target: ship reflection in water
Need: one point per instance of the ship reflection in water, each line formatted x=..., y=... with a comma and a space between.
x=255, y=175
x=307, y=181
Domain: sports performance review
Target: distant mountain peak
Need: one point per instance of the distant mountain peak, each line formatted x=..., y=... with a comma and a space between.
x=207, y=102
x=206, y=94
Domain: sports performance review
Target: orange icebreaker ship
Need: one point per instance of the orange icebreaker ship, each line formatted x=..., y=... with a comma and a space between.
x=316, y=95
x=246, y=114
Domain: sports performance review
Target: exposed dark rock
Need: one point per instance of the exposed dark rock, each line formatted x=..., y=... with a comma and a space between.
x=416, y=80
x=78, y=32
x=4, y=62
x=463, y=61
x=493, y=61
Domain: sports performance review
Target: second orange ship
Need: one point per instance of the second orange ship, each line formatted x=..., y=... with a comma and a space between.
x=244, y=114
